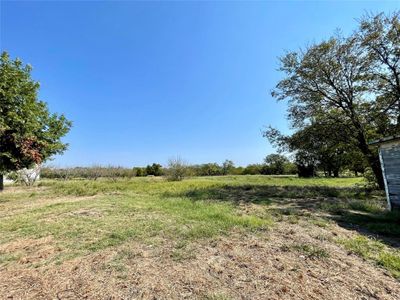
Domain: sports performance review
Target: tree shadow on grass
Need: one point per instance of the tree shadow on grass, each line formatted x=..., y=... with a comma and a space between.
x=383, y=225
x=261, y=194
x=354, y=208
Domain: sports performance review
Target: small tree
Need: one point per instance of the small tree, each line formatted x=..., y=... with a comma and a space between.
x=139, y=172
x=227, y=167
x=253, y=169
x=209, y=169
x=177, y=169
x=154, y=169
x=29, y=133
x=276, y=163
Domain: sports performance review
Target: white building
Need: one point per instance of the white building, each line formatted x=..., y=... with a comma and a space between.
x=27, y=176
x=389, y=154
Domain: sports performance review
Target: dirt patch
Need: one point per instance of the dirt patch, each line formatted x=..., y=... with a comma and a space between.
x=18, y=189
x=270, y=265
x=27, y=204
x=29, y=251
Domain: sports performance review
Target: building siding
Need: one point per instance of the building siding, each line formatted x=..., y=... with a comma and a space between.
x=33, y=173
x=390, y=154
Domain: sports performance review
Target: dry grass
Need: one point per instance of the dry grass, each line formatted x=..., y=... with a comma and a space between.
x=150, y=239
x=235, y=267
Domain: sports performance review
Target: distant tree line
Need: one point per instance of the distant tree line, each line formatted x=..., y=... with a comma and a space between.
x=274, y=164
x=342, y=93
x=93, y=172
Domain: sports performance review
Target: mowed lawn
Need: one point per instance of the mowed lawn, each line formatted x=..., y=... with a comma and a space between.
x=227, y=237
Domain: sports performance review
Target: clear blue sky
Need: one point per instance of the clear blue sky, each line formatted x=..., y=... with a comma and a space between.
x=145, y=81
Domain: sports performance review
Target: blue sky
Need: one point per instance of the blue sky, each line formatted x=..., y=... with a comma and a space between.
x=146, y=81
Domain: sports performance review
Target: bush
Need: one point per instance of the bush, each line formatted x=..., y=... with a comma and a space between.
x=253, y=169
x=210, y=169
x=139, y=172
x=154, y=169
x=177, y=169
x=370, y=179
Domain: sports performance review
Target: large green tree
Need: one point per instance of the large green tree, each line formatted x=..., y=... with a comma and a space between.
x=352, y=81
x=154, y=169
x=276, y=163
x=29, y=133
x=324, y=143
x=379, y=36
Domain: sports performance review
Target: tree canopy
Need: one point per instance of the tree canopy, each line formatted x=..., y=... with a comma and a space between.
x=154, y=169
x=343, y=92
x=29, y=133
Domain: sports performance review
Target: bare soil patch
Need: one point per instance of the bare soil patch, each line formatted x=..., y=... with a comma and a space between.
x=29, y=251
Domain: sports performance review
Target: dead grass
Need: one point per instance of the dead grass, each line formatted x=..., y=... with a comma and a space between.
x=158, y=240
x=232, y=267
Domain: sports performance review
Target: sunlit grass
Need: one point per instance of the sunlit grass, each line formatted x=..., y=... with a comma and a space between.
x=122, y=211
x=84, y=216
x=376, y=251
x=159, y=185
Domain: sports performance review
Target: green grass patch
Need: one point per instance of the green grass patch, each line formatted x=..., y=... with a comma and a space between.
x=6, y=258
x=373, y=205
x=369, y=214
x=219, y=187
x=149, y=209
x=108, y=220
x=320, y=222
x=375, y=251
x=311, y=251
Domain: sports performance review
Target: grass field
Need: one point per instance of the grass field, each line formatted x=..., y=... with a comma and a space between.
x=228, y=237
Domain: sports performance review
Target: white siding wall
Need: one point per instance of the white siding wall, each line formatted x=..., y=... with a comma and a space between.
x=390, y=157
x=30, y=173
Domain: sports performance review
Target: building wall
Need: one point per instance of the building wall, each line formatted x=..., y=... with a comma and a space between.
x=390, y=156
x=33, y=173
x=7, y=181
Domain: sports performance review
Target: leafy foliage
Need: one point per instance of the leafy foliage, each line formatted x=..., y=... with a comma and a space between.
x=154, y=170
x=93, y=172
x=343, y=92
x=278, y=164
x=177, y=169
x=227, y=167
x=29, y=133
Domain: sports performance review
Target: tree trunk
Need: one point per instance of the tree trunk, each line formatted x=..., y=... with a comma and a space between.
x=336, y=173
x=1, y=182
x=376, y=168
x=373, y=160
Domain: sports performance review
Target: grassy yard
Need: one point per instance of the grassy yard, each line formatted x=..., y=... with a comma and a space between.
x=202, y=238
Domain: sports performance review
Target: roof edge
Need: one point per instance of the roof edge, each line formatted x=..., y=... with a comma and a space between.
x=385, y=140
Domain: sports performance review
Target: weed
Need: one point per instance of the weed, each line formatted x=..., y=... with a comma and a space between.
x=311, y=251
x=323, y=223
